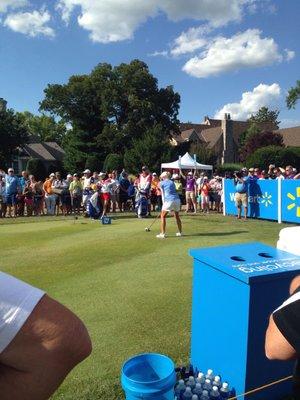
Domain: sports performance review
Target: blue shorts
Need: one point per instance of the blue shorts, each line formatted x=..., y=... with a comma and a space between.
x=11, y=199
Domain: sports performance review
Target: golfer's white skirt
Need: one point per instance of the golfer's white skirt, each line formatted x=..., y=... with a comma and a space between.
x=171, y=205
x=17, y=301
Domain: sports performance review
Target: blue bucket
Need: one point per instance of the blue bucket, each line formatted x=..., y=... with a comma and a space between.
x=148, y=376
x=106, y=220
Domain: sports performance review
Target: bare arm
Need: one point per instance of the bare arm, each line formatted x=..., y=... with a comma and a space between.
x=276, y=345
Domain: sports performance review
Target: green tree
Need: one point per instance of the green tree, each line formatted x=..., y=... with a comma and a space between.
x=293, y=96
x=151, y=150
x=113, y=162
x=265, y=115
x=204, y=154
x=13, y=134
x=37, y=168
x=280, y=156
x=256, y=139
x=45, y=127
x=111, y=109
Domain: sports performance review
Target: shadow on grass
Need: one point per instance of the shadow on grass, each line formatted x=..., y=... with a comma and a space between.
x=212, y=234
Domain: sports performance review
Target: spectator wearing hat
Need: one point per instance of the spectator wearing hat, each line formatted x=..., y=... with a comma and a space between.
x=86, y=184
x=50, y=197
x=144, y=184
x=171, y=202
x=252, y=176
x=12, y=188
x=241, y=193
x=76, y=189
x=190, y=191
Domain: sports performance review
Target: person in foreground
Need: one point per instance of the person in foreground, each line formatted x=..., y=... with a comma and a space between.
x=171, y=202
x=41, y=341
x=283, y=333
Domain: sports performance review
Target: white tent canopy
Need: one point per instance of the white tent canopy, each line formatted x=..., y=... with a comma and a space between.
x=186, y=162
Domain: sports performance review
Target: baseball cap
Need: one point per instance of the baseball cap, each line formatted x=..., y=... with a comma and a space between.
x=69, y=176
x=251, y=169
x=10, y=170
x=86, y=171
x=190, y=173
x=52, y=175
x=154, y=174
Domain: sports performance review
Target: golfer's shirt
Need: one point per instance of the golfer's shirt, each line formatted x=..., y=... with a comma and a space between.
x=287, y=320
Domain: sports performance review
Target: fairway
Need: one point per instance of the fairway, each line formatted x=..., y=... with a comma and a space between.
x=132, y=290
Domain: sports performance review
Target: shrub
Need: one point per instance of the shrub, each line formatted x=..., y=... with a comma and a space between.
x=280, y=156
x=221, y=169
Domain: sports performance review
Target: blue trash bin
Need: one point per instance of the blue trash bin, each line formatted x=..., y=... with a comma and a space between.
x=148, y=376
x=235, y=289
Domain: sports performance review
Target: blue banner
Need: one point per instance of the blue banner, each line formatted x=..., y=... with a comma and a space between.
x=290, y=201
x=262, y=199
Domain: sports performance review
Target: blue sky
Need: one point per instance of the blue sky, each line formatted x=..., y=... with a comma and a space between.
x=221, y=56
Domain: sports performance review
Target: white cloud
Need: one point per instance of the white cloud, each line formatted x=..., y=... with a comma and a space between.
x=289, y=54
x=245, y=49
x=5, y=4
x=289, y=123
x=163, y=53
x=30, y=23
x=189, y=41
x=261, y=96
x=116, y=20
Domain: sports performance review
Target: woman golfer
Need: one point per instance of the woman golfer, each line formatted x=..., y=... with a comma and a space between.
x=171, y=202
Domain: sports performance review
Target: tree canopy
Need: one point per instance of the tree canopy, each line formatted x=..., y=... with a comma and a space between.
x=111, y=110
x=43, y=126
x=265, y=115
x=13, y=133
x=293, y=96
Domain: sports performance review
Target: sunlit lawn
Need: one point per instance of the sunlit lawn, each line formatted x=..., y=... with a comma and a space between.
x=132, y=290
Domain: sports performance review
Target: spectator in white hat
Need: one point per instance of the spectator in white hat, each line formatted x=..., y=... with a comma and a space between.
x=50, y=197
x=86, y=184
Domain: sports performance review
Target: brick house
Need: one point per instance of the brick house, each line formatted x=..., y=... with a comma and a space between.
x=222, y=136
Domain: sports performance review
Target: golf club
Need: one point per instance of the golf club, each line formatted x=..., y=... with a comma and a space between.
x=152, y=223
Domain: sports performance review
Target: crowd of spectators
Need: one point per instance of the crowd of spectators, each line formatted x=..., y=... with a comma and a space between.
x=101, y=193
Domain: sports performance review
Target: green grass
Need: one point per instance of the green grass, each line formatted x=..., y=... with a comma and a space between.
x=132, y=290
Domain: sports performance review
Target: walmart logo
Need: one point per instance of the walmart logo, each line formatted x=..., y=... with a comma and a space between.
x=266, y=199
x=293, y=204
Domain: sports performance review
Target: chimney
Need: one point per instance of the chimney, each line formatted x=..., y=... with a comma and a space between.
x=228, y=142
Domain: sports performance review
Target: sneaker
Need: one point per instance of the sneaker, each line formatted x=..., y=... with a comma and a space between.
x=179, y=234
x=161, y=236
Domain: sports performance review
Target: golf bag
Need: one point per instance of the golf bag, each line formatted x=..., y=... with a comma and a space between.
x=141, y=204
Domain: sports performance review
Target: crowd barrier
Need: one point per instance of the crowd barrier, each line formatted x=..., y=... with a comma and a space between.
x=277, y=200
